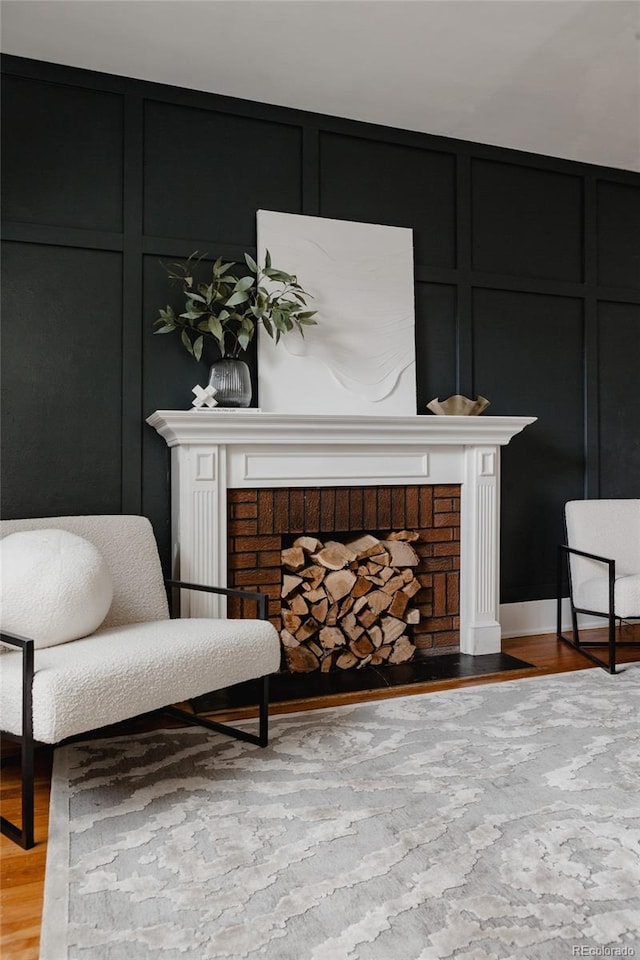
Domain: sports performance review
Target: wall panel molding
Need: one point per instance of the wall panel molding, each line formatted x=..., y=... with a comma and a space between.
x=132, y=307
x=61, y=236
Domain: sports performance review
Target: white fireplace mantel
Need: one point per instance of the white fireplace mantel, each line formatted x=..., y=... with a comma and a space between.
x=213, y=450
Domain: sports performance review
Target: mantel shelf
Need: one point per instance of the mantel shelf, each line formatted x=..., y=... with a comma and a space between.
x=246, y=427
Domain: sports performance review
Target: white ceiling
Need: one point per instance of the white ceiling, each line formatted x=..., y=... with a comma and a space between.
x=559, y=77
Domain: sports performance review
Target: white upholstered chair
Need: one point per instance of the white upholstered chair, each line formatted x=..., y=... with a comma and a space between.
x=603, y=552
x=138, y=660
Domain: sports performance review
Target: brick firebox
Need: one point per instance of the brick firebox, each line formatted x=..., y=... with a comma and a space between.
x=260, y=520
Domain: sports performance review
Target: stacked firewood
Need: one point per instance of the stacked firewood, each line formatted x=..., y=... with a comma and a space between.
x=346, y=605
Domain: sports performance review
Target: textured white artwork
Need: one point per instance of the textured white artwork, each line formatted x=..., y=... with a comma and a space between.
x=360, y=358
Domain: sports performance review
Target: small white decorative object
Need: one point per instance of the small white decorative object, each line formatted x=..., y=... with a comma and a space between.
x=204, y=397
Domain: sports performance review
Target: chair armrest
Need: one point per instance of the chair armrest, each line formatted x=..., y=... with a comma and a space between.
x=589, y=556
x=260, y=598
x=15, y=640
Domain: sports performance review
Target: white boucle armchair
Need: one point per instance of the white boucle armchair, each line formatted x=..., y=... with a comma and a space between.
x=603, y=554
x=138, y=660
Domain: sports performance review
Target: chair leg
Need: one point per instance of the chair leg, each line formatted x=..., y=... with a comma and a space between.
x=28, y=792
x=574, y=626
x=24, y=836
x=612, y=620
x=612, y=643
x=261, y=739
x=559, y=594
x=574, y=617
x=264, y=712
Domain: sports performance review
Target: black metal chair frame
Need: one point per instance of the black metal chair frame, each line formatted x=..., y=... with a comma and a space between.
x=24, y=835
x=581, y=646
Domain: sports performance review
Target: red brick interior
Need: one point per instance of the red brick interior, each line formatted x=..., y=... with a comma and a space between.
x=260, y=522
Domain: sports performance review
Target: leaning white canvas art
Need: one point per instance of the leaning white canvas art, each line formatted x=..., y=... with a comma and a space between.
x=360, y=358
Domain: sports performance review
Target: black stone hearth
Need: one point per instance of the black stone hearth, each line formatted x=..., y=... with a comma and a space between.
x=297, y=686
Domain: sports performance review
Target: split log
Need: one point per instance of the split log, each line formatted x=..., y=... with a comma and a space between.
x=412, y=616
x=381, y=655
x=345, y=607
x=350, y=627
x=308, y=628
x=334, y=556
x=361, y=586
x=403, y=650
x=289, y=583
x=314, y=573
x=377, y=601
x=332, y=615
x=398, y=605
x=291, y=620
x=391, y=586
x=308, y=544
x=315, y=648
x=412, y=587
x=346, y=660
x=359, y=604
x=313, y=596
x=382, y=559
x=364, y=546
x=326, y=664
x=301, y=660
x=402, y=553
x=332, y=637
x=367, y=618
x=375, y=635
x=319, y=610
x=376, y=581
x=391, y=628
x=298, y=604
x=411, y=535
x=288, y=640
x=293, y=558
x=362, y=647
x=339, y=583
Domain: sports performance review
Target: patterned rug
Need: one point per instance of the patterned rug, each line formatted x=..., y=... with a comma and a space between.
x=492, y=822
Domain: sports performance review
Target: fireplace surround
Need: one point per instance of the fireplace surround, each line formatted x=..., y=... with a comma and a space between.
x=217, y=451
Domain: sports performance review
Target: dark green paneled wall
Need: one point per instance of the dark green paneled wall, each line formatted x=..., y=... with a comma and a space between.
x=527, y=287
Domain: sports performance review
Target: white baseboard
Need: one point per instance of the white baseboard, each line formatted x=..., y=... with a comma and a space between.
x=539, y=616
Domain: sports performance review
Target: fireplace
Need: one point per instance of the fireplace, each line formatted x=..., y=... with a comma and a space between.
x=263, y=524
x=219, y=457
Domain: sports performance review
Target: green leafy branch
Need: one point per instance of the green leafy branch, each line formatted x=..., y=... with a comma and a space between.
x=228, y=308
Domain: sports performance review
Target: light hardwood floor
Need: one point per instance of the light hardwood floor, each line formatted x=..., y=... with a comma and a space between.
x=22, y=872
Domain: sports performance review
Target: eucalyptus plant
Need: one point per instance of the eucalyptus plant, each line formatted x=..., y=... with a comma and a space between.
x=228, y=308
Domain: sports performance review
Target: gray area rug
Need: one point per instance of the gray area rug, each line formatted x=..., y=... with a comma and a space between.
x=482, y=823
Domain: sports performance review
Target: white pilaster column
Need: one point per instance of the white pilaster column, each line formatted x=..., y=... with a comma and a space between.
x=199, y=525
x=480, y=547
